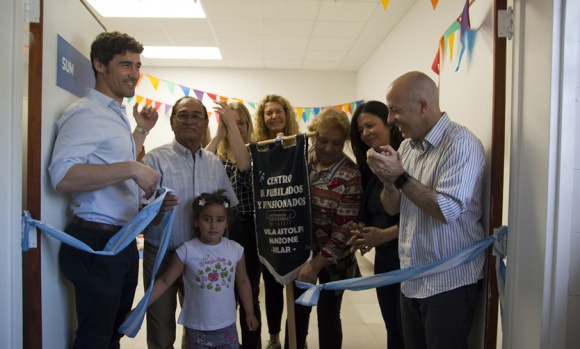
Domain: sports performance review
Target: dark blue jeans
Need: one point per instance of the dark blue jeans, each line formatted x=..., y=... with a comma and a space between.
x=104, y=287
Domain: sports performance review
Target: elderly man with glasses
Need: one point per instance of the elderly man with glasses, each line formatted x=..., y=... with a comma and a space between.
x=185, y=167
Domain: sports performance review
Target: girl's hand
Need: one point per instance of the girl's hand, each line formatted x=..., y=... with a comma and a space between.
x=252, y=322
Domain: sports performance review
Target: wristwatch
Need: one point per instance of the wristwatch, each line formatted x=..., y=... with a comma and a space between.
x=403, y=178
x=141, y=130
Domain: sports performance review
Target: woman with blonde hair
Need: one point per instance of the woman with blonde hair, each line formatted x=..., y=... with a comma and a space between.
x=234, y=131
x=274, y=115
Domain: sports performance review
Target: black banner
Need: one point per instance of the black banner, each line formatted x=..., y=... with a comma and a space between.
x=282, y=206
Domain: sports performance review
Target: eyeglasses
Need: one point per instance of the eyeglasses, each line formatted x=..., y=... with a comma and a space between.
x=183, y=116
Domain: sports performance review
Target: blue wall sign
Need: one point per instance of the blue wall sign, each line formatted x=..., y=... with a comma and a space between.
x=74, y=72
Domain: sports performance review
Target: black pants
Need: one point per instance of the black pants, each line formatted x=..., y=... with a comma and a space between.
x=243, y=232
x=442, y=321
x=104, y=287
x=274, y=298
x=328, y=312
x=387, y=259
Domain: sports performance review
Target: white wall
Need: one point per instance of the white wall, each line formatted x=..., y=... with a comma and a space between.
x=79, y=29
x=11, y=70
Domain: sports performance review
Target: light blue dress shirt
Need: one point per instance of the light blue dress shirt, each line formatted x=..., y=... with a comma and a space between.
x=189, y=175
x=95, y=130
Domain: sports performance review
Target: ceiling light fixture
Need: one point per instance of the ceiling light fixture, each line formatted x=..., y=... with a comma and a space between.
x=148, y=8
x=181, y=52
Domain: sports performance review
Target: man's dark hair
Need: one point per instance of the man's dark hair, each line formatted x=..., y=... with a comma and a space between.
x=109, y=44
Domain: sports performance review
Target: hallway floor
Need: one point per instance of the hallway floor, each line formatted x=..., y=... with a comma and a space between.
x=362, y=324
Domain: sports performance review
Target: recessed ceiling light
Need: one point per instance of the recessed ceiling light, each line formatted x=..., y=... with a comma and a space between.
x=181, y=52
x=148, y=8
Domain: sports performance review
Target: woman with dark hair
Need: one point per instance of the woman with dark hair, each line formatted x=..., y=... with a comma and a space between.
x=369, y=129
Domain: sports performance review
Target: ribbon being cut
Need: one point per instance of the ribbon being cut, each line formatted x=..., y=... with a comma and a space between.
x=282, y=207
x=499, y=239
x=116, y=244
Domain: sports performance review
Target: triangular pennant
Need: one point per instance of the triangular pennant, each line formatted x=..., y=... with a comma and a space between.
x=434, y=3
x=211, y=96
x=148, y=101
x=252, y=105
x=154, y=81
x=352, y=107
x=139, y=99
x=452, y=29
x=316, y=111
x=198, y=94
x=299, y=112
x=451, y=46
x=185, y=90
x=139, y=81
x=385, y=4
x=157, y=105
x=465, y=22
x=167, y=108
x=437, y=60
x=170, y=86
x=223, y=99
x=468, y=38
x=129, y=99
x=359, y=102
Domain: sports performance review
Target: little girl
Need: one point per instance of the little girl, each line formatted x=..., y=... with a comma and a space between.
x=210, y=264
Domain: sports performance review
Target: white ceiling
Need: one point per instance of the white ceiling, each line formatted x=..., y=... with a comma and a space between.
x=278, y=34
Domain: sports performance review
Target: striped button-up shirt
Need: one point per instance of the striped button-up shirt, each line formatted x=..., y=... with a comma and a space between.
x=451, y=161
x=189, y=175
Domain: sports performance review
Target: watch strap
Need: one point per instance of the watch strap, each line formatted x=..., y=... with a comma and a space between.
x=403, y=178
x=141, y=130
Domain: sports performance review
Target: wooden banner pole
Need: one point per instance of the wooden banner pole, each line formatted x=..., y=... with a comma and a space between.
x=291, y=316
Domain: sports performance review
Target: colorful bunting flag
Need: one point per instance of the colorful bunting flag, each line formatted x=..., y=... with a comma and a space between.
x=139, y=81
x=434, y=3
x=170, y=86
x=167, y=108
x=185, y=90
x=154, y=82
x=385, y=4
x=198, y=94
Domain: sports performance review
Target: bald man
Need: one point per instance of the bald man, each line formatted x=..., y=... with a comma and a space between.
x=435, y=182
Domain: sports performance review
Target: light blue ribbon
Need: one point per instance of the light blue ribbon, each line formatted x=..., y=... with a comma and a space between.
x=310, y=297
x=117, y=243
x=132, y=325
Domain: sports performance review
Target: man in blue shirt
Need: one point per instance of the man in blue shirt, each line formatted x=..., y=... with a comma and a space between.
x=94, y=160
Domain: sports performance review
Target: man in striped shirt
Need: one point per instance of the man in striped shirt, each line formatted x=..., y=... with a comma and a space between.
x=435, y=182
